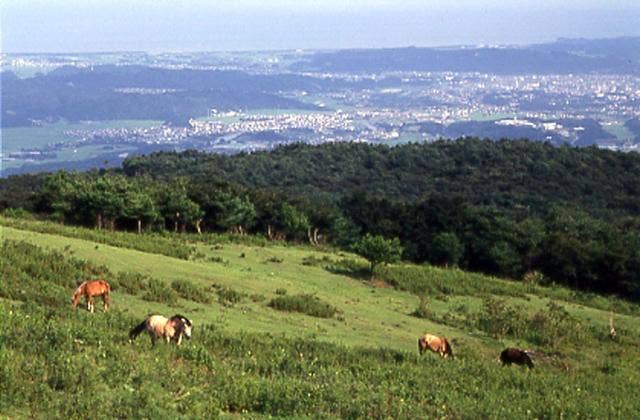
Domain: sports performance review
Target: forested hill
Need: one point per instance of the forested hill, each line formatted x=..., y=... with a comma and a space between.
x=615, y=55
x=517, y=175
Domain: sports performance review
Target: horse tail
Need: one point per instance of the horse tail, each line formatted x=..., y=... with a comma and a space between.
x=420, y=346
x=137, y=330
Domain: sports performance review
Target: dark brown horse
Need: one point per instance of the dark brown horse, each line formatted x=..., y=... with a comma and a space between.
x=513, y=355
x=435, y=344
x=90, y=289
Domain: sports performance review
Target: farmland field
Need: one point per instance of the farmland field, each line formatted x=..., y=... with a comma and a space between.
x=246, y=357
x=15, y=139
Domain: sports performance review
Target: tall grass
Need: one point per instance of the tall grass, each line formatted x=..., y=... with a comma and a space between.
x=83, y=366
x=55, y=362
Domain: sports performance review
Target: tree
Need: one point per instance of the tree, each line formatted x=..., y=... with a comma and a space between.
x=106, y=197
x=178, y=207
x=295, y=222
x=378, y=250
x=140, y=206
x=234, y=213
x=446, y=249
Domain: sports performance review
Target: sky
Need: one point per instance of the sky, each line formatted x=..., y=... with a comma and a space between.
x=234, y=25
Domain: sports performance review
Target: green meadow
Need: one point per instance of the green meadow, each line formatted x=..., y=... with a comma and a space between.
x=248, y=358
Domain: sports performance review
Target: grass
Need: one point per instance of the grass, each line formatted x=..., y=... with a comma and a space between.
x=305, y=304
x=247, y=358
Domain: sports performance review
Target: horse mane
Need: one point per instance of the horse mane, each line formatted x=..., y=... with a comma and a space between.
x=183, y=319
x=180, y=321
x=78, y=293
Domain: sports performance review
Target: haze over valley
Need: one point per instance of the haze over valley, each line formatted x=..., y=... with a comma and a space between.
x=83, y=110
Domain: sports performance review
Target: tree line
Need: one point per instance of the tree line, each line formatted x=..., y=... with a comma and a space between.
x=572, y=220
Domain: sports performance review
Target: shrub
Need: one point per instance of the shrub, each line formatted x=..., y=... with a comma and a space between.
x=303, y=303
x=130, y=282
x=349, y=267
x=229, y=296
x=158, y=291
x=378, y=250
x=217, y=259
x=553, y=326
x=499, y=319
x=190, y=291
x=274, y=259
x=17, y=213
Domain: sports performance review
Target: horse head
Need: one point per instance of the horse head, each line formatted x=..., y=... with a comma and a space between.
x=183, y=325
x=75, y=299
x=447, y=352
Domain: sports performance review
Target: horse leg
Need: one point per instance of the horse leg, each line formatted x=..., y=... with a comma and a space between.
x=179, y=339
x=105, y=302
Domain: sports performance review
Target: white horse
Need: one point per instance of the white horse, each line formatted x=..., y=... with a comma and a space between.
x=158, y=326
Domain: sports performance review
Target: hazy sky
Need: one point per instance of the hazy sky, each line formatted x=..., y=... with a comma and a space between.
x=199, y=25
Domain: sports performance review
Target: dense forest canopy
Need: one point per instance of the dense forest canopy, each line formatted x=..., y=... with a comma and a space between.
x=512, y=175
x=511, y=208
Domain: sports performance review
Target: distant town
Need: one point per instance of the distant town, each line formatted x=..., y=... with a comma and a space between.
x=390, y=107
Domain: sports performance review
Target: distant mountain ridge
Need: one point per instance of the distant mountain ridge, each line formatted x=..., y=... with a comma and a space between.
x=611, y=56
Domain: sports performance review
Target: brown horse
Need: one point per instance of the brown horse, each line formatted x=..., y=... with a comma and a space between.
x=435, y=344
x=517, y=356
x=90, y=289
x=158, y=326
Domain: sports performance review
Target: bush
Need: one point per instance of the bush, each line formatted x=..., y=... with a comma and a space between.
x=378, y=250
x=158, y=291
x=130, y=282
x=422, y=311
x=17, y=213
x=190, y=291
x=499, y=319
x=349, y=267
x=304, y=303
x=313, y=261
x=229, y=296
x=553, y=326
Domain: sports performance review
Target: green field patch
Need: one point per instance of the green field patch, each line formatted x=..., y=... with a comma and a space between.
x=16, y=138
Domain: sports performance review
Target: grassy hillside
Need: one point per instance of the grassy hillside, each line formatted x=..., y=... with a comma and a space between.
x=249, y=358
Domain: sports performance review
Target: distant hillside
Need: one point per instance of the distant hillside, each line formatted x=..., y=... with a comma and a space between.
x=136, y=92
x=619, y=55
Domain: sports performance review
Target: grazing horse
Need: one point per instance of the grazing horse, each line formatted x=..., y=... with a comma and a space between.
x=517, y=356
x=160, y=327
x=435, y=344
x=90, y=289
